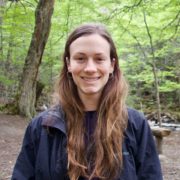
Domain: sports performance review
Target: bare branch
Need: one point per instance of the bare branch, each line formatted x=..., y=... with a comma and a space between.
x=23, y=6
x=149, y=34
x=136, y=39
x=176, y=29
x=31, y=4
x=177, y=17
x=134, y=5
x=119, y=10
x=9, y=7
x=171, y=22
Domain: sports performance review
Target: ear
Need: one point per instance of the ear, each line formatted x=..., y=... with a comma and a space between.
x=68, y=64
x=112, y=64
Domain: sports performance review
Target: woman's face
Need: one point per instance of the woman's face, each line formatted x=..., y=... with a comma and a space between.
x=90, y=64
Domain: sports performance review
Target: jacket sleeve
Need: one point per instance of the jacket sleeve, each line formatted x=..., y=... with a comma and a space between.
x=25, y=163
x=147, y=161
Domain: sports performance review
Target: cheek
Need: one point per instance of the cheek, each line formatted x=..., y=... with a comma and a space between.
x=75, y=70
x=107, y=70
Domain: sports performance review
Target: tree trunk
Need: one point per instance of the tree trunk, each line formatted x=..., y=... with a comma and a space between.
x=8, y=63
x=157, y=93
x=2, y=5
x=27, y=97
x=178, y=80
x=154, y=71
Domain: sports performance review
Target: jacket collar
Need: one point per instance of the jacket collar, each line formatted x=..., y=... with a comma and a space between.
x=54, y=118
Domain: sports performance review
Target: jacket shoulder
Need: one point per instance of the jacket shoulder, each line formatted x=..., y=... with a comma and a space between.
x=51, y=118
x=137, y=126
x=136, y=118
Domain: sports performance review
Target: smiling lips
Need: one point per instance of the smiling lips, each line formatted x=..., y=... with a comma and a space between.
x=90, y=79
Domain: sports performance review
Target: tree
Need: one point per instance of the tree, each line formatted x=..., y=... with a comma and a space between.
x=2, y=4
x=124, y=20
x=27, y=96
x=154, y=69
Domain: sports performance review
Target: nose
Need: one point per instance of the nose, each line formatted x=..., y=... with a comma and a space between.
x=90, y=66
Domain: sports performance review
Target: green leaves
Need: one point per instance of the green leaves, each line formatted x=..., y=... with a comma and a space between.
x=169, y=86
x=125, y=22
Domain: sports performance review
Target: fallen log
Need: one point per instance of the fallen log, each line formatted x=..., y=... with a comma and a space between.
x=165, y=117
x=159, y=133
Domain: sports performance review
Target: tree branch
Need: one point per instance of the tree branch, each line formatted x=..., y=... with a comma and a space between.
x=154, y=70
x=136, y=39
x=149, y=34
x=119, y=10
x=171, y=22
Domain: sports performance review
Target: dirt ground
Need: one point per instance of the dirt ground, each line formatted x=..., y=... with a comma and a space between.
x=12, y=131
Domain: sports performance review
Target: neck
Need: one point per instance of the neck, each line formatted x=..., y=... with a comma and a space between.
x=90, y=101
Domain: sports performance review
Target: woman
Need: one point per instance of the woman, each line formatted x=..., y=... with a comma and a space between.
x=90, y=134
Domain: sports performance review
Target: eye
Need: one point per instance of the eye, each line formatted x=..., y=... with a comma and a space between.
x=80, y=59
x=100, y=59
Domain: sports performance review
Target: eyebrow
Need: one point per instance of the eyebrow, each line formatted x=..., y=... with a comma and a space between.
x=77, y=53
x=81, y=53
x=99, y=54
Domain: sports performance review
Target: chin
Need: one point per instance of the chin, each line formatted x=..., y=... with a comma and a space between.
x=91, y=92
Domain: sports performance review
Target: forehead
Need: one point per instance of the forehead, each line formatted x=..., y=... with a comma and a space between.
x=90, y=43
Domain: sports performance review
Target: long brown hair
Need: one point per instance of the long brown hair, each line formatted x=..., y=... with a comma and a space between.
x=106, y=158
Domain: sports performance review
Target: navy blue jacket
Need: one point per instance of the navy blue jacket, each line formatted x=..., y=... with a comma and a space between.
x=43, y=154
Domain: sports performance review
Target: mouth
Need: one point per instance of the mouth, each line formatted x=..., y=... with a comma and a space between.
x=90, y=79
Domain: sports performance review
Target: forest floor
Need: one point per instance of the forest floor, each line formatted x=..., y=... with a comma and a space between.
x=12, y=130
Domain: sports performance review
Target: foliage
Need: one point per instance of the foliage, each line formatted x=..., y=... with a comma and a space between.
x=124, y=20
